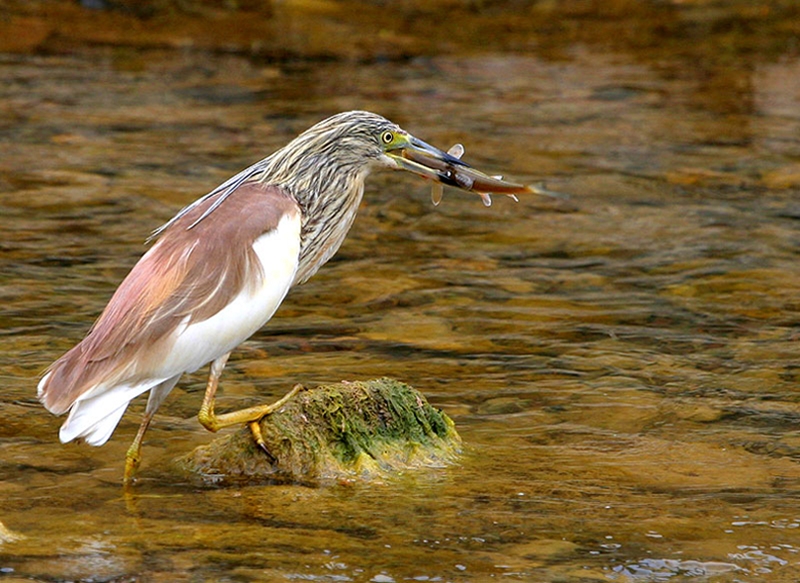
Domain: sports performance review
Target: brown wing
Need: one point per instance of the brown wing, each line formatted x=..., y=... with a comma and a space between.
x=194, y=273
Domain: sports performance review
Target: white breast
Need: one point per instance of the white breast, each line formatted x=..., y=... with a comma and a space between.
x=199, y=343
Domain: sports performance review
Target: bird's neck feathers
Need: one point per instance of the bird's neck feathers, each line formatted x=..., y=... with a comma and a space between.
x=316, y=165
x=327, y=182
x=324, y=172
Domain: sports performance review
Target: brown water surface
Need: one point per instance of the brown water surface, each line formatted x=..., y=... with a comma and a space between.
x=622, y=367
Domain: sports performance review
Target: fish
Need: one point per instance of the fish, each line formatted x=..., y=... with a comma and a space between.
x=461, y=175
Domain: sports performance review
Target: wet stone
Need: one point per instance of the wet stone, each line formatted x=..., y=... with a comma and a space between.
x=358, y=430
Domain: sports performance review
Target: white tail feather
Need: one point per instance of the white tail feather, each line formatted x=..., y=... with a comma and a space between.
x=42, y=383
x=96, y=413
x=97, y=433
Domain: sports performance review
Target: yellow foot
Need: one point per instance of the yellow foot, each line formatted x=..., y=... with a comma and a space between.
x=255, y=429
x=298, y=388
x=131, y=465
x=255, y=425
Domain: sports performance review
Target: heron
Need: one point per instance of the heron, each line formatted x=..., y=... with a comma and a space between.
x=218, y=270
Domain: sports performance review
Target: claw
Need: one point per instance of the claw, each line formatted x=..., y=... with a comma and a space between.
x=255, y=430
x=255, y=425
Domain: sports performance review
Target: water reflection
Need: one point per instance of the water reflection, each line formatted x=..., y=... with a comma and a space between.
x=623, y=371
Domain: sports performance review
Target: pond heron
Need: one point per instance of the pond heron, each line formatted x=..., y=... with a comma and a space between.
x=221, y=267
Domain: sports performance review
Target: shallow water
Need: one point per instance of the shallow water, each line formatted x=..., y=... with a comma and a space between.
x=622, y=366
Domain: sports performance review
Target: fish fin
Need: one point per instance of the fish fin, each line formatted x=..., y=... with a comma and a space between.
x=437, y=192
x=456, y=151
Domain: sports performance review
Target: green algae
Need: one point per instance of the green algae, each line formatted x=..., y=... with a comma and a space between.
x=349, y=430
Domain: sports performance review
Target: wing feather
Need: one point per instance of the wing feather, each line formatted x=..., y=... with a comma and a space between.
x=192, y=272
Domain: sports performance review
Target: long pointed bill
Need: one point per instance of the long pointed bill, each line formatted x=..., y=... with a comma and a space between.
x=423, y=159
x=447, y=168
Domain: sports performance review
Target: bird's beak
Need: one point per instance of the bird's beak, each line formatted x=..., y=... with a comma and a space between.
x=421, y=158
x=429, y=162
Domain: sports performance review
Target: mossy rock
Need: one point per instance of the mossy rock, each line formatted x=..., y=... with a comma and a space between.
x=350, y=430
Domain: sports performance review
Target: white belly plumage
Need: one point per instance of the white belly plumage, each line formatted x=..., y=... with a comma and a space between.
x=201, y=342
x=96, y=413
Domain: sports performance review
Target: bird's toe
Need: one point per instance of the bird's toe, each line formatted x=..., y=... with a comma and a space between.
x=258, y=438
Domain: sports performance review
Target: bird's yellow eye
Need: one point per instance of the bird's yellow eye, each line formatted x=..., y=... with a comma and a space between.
x=387, y=138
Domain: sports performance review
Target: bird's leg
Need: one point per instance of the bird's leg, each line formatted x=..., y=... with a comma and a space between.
x=134, y=455
x=157, y=395
x=262, y=410
x=206, y=415
x=251, y=415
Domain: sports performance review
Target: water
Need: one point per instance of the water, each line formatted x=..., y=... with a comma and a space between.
x=622, y=366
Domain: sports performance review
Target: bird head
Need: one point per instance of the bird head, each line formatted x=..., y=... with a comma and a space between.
x=377, y=139
x=359, y=140
x=353, y=143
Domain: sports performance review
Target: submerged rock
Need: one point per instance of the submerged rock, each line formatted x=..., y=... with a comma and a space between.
x=350, y=430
